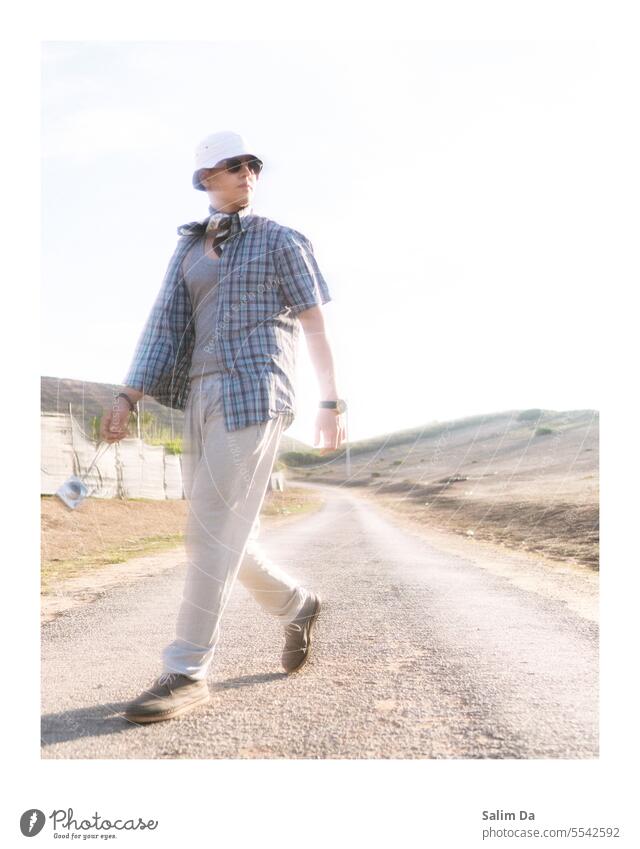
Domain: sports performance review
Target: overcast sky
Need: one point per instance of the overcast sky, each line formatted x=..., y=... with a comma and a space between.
x=447, y=190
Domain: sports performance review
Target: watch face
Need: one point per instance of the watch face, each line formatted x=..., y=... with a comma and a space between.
x=341, y=406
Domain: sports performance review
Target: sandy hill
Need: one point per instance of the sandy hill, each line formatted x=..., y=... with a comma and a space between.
x=522, y=477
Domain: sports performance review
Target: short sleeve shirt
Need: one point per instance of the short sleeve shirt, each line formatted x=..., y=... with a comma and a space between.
x=268, y=275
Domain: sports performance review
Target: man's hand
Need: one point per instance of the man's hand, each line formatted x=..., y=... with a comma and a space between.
x=114, y=425
x=331, y=427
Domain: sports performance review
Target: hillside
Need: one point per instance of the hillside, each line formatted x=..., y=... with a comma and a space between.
x=522, y=478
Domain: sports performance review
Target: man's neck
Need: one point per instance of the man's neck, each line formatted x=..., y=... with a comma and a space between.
x=228, y=209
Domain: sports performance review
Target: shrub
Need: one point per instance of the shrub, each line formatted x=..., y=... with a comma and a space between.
x=543, y=431
x=172, y=446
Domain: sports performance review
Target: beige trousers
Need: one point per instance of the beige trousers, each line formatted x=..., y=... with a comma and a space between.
x=225, y=475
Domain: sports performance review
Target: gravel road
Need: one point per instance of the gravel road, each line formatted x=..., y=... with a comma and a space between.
x=423, y=650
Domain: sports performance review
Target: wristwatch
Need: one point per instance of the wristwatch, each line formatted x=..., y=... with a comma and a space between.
x=339, y=405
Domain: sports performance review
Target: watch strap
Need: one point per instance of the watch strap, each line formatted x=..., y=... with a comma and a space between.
x=339, y=405
x=133, y=407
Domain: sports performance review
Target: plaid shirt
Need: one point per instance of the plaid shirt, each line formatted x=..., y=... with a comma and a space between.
x=268, y=274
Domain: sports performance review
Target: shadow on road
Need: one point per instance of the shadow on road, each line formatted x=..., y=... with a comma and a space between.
x=100, y=719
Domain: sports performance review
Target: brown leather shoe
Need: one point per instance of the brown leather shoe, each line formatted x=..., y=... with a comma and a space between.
x=298, y=635
x=170, y=695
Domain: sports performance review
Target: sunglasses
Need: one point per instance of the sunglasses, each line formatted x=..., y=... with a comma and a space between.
x=234, y=165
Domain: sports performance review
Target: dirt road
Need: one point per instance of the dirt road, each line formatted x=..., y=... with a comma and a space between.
x=428, y=647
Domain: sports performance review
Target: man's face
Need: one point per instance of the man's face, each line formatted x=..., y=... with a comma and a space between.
x=232, y=189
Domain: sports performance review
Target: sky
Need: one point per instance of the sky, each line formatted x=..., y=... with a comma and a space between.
x=448, y=189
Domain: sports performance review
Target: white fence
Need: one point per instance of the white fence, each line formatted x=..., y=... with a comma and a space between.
x=127, y=469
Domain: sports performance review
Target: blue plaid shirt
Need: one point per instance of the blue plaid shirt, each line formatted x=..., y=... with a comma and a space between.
x=268, y=274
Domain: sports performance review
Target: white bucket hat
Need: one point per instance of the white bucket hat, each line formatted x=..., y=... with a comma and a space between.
x=214, y=149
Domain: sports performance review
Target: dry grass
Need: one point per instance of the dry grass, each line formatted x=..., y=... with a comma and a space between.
x=103, y=531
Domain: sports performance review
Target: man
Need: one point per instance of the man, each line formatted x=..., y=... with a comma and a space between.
x=220, y=344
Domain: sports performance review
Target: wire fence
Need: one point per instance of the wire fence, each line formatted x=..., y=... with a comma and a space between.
x=127, y=469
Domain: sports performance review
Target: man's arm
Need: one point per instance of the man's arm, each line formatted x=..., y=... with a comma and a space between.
x=152, y=357
x=312, y=321
x=329, y=424
x=304, y=291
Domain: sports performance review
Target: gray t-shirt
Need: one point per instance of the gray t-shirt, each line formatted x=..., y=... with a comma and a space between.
x=201, y=277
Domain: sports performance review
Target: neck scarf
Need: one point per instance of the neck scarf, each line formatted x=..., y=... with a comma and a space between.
x=220, y=224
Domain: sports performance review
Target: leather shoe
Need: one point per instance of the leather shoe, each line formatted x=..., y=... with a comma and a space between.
x=298, y=635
